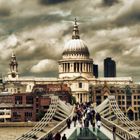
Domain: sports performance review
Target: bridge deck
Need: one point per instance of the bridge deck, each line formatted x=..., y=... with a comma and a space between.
x=104, y=130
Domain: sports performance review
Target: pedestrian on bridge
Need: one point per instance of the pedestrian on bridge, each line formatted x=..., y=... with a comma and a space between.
x=57, y=136
x=74, y=120
x=86, y=125
x=114, y=132
x=64, y=137
x=50, y=136
x=68, y=121
x=98, y=117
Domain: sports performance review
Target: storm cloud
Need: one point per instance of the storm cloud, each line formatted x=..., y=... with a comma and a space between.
x=38, y=30
x=46, y=2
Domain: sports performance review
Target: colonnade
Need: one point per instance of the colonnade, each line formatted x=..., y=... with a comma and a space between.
x=77, y=67
x=81, y=97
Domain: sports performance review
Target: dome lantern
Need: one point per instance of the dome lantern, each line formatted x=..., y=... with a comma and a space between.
x=76, y=47
x=75, y=34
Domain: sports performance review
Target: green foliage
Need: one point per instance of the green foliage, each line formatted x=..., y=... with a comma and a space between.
x=40, y=115
x=73, y=100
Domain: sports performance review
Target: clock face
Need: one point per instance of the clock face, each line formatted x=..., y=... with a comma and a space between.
x=13, y=75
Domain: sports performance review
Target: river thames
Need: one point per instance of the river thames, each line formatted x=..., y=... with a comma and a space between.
x=11, y=133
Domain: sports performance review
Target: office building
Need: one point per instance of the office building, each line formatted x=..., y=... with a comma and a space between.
x=109, y=67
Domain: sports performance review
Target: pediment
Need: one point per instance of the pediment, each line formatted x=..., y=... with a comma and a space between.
x=80, y=78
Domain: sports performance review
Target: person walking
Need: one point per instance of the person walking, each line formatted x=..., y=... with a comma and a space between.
x=81, y=127
x=98, y=117
x=86, y=125
x=114, y=132
x=75, y=120
x=68, y=121
x=57, y=136
x=64, y=137
x=50, y=136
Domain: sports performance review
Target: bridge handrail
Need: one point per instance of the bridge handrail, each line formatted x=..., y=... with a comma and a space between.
x=122, y=133
x=32, y=132
x=62, y=123
x=118, y=112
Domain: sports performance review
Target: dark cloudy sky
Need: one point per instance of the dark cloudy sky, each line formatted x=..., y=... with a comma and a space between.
x=36, y=30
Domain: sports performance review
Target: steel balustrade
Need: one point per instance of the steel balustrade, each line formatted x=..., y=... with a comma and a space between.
x=111, y=115
x=57, y=110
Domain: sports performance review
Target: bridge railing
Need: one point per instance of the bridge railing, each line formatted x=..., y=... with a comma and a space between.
x=121, y=132
x=59, y=127
x=106, y=108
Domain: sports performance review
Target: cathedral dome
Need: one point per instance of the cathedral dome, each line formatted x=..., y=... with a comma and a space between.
x=75, y=47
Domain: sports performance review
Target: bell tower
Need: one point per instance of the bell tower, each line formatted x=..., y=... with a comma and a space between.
x=13, y=74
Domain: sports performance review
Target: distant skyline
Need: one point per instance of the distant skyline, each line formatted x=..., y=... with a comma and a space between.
x=37, y=30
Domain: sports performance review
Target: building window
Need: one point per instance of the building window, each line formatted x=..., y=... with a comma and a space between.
x=28, y=114
x=119, y=102
x=134, y=97
x=123, y=103
x=18, y=99
x=135, y=108
x=122, y=91
x=98, y=97
x=98, y=91
x=112, y=91
x=80, y=85
x=119, y=97
x=138, y=91
x=135, y=103
x=122, y=97
x=128, y=103
x=18, y=90
x=29, y=100
x=16, y=114
x=37, y=99
x=128, y=97
x=133, y=91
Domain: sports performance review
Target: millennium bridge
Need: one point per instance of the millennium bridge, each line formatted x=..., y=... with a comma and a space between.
x=55, y=121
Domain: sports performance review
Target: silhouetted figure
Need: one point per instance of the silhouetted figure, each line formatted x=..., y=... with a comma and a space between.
x=68, y=123
x=86, y=125
x=98, y=117
x=114, y=132
x=81, y=127
x=93, y=123
x=75, y=120
x=64, y=137
x=57, y=136
x=50, y=136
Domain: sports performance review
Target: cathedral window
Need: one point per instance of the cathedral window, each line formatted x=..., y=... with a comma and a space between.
x=80, y=85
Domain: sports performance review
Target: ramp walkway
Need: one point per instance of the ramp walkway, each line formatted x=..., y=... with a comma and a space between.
x=111, y=115
x=58, y=112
